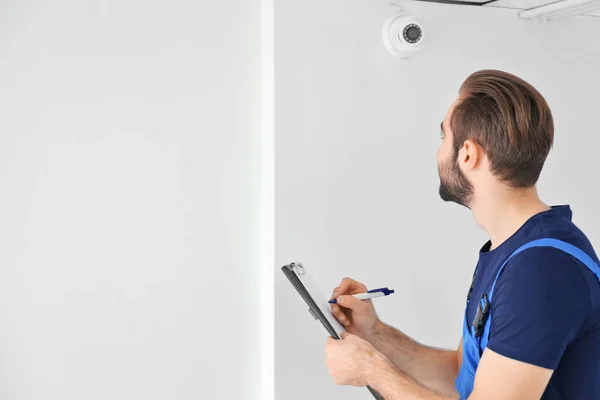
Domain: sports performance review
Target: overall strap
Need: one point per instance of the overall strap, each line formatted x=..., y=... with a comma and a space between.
x=568, y=248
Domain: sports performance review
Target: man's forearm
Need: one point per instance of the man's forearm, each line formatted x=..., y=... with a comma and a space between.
x=433, y=368
x=392, y=384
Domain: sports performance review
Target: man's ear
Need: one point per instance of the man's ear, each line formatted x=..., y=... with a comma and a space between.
x=470, y=155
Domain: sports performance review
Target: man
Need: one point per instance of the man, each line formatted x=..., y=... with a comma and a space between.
x=532, y=329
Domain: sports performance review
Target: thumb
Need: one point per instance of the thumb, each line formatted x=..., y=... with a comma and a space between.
x=348, y=301
x=345, y=335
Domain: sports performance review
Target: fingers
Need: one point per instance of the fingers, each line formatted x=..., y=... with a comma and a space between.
x=335, y=292
x=350, y=286
x=347, y=286
x=345, y=335
x=351, y=302
x=340, y=316
x=348, y=302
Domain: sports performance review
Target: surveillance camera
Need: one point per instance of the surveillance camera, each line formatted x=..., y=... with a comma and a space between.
x=404, y=35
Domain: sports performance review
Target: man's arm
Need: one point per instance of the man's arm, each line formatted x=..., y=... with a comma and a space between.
x=433, y=368
x=497, y=378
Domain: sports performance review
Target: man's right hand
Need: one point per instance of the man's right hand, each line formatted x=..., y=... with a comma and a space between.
x=357, y=316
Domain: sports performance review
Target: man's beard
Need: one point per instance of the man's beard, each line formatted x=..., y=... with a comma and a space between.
x=454, y=185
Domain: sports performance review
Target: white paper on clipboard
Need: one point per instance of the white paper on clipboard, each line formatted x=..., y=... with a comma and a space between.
x=319, y=297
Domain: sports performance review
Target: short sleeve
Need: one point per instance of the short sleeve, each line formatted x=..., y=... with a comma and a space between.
x=539, y=305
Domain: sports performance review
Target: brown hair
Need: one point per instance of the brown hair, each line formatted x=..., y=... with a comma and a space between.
x=509, y=119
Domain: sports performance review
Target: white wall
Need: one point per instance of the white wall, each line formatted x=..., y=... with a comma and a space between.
x=356, y=179
x=129, y=178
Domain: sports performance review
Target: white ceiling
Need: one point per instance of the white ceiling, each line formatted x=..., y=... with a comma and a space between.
x=522, y=4
x=529, y=4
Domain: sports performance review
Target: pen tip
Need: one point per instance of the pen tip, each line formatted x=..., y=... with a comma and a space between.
x=332, y=301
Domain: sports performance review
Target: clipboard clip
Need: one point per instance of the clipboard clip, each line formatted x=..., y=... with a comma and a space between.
x=299, y=268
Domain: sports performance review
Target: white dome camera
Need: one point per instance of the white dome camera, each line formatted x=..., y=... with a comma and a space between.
x=404, y=35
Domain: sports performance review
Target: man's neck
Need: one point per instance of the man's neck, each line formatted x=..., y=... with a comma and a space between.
x=502, y=211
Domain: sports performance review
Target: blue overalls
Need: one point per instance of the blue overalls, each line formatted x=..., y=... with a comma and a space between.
x=476, y=336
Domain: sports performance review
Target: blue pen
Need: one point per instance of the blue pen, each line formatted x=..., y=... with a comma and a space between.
x=371, y=294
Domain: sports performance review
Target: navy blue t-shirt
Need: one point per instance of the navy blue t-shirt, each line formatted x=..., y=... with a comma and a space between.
x=546, y=305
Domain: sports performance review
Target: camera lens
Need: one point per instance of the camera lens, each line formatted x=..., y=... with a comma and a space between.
x=412, y=33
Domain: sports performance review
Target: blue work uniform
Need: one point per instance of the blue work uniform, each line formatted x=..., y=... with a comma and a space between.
x=536, y=299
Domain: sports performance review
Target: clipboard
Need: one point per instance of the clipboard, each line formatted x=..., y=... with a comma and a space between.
x=318, y=307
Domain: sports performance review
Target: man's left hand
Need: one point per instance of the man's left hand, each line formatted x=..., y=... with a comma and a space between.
x=351, y=359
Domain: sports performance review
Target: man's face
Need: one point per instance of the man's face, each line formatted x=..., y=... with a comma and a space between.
x=454, y=185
